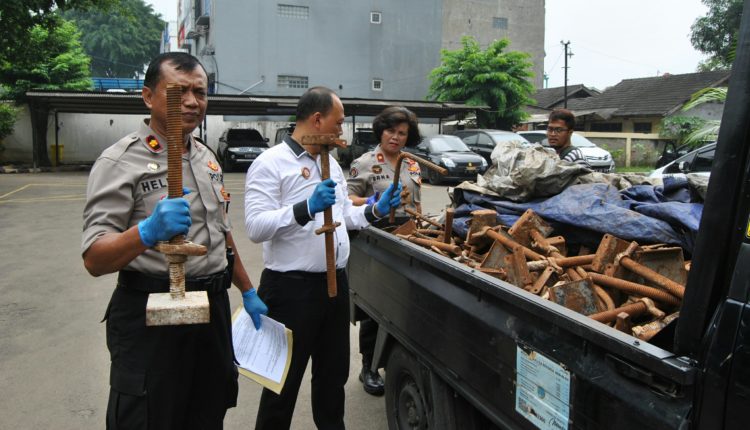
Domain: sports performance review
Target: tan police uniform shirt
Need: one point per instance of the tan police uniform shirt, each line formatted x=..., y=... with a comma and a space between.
x=130, y=177
x=372, y=173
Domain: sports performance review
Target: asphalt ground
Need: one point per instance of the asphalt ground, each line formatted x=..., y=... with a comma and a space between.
x=54, y=364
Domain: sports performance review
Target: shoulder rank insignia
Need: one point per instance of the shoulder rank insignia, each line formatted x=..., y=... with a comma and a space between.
x=153, y=144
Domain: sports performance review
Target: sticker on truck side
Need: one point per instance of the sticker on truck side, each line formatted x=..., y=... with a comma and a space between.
x=542, y=390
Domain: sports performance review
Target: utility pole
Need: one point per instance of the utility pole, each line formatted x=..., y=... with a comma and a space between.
x=567, y=54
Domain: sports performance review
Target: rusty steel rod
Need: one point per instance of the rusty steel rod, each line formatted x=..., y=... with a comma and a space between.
x=633, y=309
x=510, y=243
x=421, y=217
x=633, y=288
x=449, y=212
x=648, y=274
x=454, y=249
x=397, y=172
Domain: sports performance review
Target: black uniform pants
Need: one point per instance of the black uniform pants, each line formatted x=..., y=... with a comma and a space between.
x=368, y=332
x=168, y=377
x=320, y=327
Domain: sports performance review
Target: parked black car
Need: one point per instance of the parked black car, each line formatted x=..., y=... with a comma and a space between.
x=363, y=141
x=483, y=141
x=451, y=153
x=672, y=152
x=240, y=147
x=283, y=132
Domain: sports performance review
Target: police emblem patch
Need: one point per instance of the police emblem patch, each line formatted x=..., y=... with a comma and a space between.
x=153, y=143
x=353, y=172
x=153, y=166
x=377, y=169
x=213, y=166
x=305, y=172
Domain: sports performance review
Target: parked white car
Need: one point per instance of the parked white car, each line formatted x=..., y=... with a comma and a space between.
x=598, y=158
x=698, y=161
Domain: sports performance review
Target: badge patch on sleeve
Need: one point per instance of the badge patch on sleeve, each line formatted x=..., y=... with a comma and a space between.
x=381, y=159
x=153, y=143
x=353, y=172
x=305, y=172
x=213, y=166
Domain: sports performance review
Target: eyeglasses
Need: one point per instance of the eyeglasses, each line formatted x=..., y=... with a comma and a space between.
x=556, y=130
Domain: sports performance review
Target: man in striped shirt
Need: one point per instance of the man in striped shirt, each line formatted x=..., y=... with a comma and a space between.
x=559, y=130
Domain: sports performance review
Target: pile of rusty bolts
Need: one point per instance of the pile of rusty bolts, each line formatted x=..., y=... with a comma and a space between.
x=637, y=289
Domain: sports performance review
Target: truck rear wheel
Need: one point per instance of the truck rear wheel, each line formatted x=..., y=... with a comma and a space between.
x=406, y=401
x=416, y=397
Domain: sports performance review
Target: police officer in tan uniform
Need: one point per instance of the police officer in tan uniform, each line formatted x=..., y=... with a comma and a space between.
x=178, y=377
x=370, y=175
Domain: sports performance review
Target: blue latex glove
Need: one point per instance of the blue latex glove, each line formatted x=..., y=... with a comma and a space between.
x=323, y=197
x=169, y=218
x=389, y=199
x=373, y=198
x=254, y=306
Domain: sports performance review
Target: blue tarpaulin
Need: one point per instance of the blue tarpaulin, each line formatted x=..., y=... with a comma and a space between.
x=583, y=213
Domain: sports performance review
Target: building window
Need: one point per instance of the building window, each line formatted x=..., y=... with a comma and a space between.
x=377, y=84
x=501, y=23
x=642, y=127
x=289, y=81
x=293, y=11
x=606, y=126
x=375, y=18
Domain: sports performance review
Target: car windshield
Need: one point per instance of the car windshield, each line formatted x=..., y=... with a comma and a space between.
x=366, y=137
x=245, y=137
x=581, y=142
x=447, y=144
x=535, y=137
x=508, y=137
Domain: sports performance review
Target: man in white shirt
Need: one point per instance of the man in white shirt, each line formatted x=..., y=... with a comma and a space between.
x=284, y=203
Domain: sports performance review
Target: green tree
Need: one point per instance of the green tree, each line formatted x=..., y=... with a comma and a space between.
x=680, y=127
x=18, y=17
x=119, y=44
x=710, y=129
x=52, y=59
x=716, y=33
x=7, y=120
x=500, y=80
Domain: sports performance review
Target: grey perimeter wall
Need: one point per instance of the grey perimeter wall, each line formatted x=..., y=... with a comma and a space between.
x=84, y=136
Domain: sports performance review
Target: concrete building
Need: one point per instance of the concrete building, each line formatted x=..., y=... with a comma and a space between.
x=381, y=49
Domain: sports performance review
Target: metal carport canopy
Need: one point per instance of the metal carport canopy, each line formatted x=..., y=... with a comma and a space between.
x=240, y=105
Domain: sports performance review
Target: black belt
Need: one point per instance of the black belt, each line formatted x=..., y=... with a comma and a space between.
x=301, y=274
x=154, y=284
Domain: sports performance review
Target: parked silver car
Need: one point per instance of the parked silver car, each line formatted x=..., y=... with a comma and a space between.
x=483, y=141
x=598, y=158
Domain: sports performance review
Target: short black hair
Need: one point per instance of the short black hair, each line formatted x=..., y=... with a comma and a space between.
x=180, y=60
x=316, y=99
x=393, y=116
x=563, y=115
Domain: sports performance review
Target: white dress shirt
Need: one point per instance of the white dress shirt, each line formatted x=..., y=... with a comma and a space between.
x=277, y=187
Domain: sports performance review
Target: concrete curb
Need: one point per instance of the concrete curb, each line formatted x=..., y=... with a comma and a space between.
x=12, y=168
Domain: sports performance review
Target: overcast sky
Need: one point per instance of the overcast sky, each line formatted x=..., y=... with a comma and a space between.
x=611, y=40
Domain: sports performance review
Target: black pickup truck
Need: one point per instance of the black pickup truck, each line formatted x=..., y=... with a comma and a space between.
x=464, y=350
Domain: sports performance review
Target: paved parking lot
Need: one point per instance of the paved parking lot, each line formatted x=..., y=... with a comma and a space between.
x=54, y=364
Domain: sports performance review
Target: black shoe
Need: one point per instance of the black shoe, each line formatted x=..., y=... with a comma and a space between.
x=372, y=382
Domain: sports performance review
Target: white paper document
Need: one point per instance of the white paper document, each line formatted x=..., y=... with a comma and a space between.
x=265, y=352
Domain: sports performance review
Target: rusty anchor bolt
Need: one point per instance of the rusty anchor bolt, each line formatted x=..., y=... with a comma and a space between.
x=397, y=173
x=644, y=304
x=325, y=141
x=637, y=289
